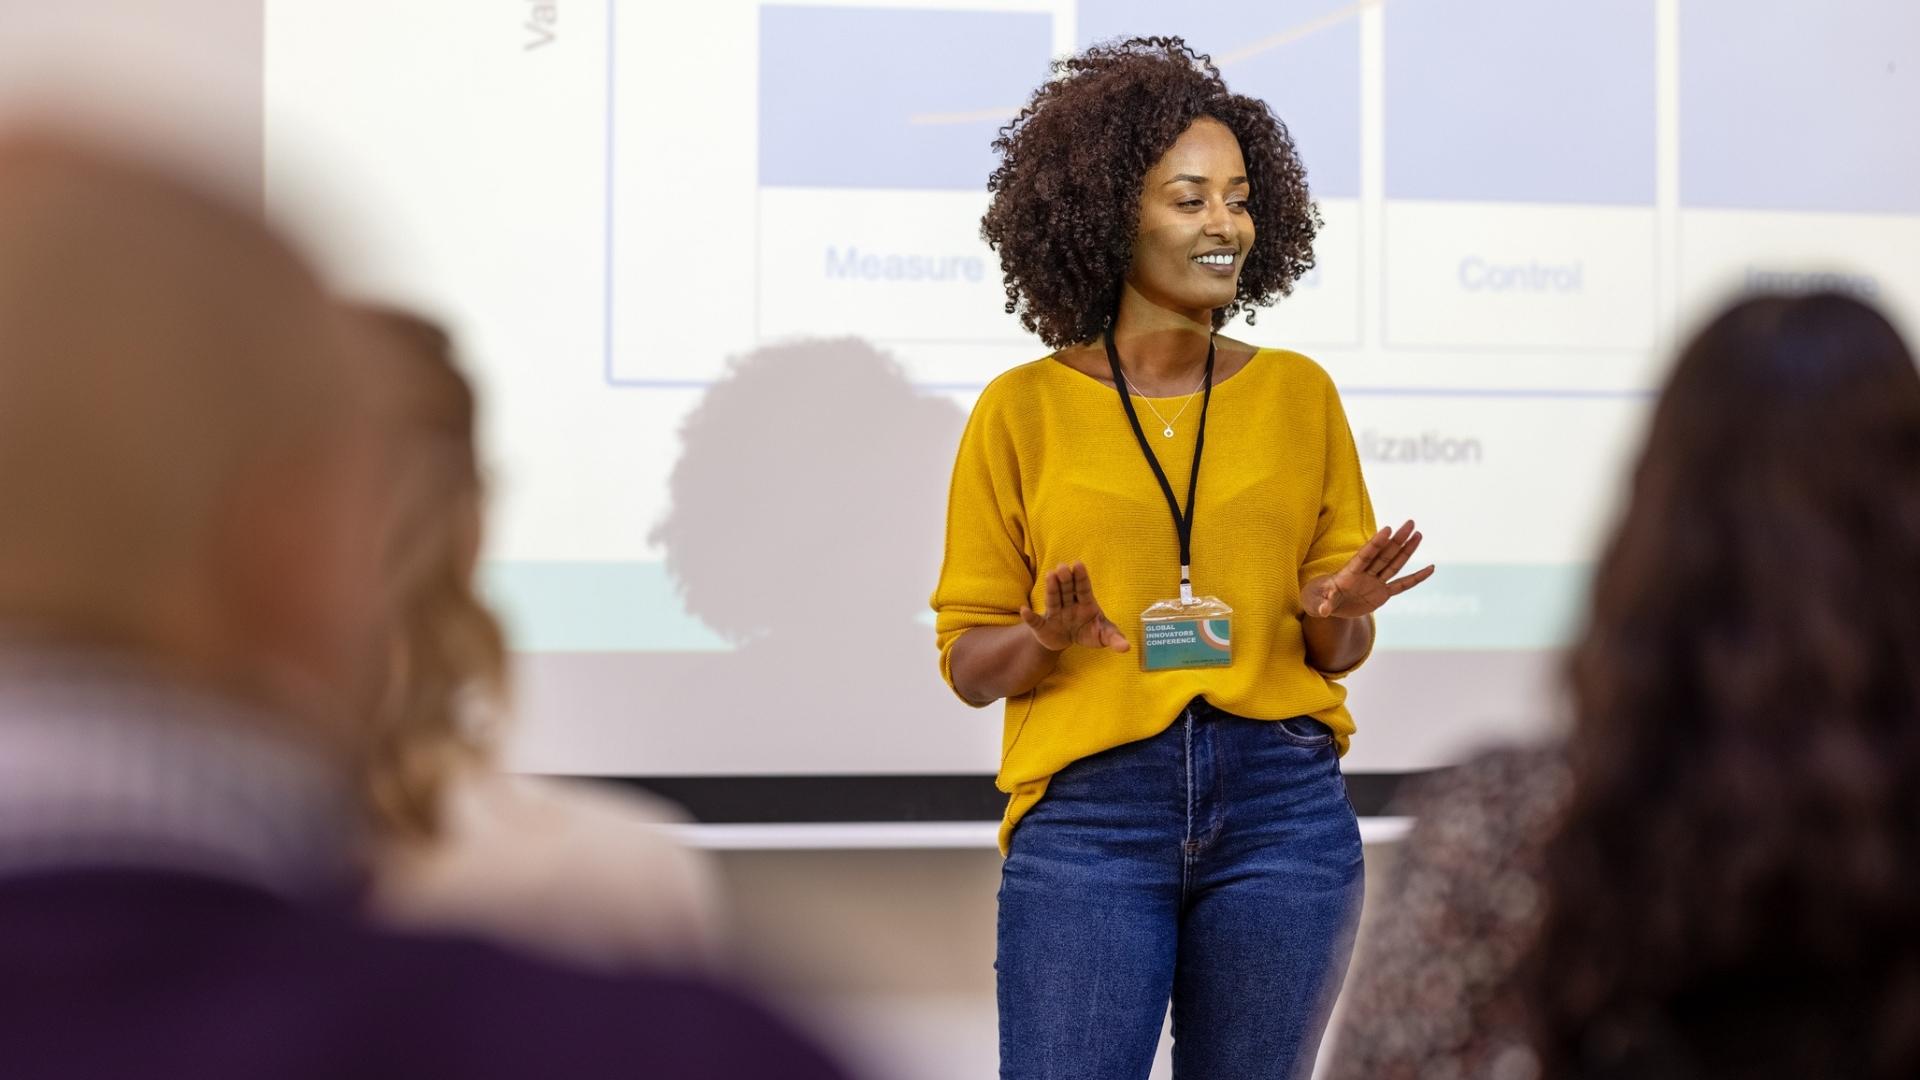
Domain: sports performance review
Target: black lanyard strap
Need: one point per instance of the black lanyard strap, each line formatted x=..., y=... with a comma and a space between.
x=1182, y=522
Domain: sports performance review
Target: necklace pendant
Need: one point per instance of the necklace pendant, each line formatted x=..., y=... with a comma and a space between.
x=1167, y=433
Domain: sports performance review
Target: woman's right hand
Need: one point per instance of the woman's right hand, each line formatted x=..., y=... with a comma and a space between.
x=1073, y=616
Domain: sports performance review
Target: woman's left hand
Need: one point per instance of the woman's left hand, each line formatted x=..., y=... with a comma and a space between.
x=1366, y=583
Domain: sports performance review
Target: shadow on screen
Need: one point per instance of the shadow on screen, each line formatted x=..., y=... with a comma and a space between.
x=804, y=526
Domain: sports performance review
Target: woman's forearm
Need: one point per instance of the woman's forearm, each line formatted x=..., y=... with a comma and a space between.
x=1336, y=644
x=994, y=662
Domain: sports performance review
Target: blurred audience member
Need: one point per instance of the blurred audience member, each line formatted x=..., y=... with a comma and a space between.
x=1719, y=875
x=582, y=873
x=193, y=488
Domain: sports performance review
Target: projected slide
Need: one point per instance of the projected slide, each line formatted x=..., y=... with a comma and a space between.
x=874, y=133
x=1519, y=166
x=718, y=267
x=1800, y=174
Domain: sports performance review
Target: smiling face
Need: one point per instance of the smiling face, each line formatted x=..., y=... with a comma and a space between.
x=1194, y=231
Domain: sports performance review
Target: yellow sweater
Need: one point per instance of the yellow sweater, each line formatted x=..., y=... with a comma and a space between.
x=1049, y=472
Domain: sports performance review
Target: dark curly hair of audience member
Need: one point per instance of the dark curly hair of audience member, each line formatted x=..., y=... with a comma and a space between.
x=1733, y=889
x=1066, y=196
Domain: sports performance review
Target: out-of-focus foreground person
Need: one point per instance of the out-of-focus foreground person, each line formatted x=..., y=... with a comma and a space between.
x=583, y=874
x=1717, y=876
x=193, y=494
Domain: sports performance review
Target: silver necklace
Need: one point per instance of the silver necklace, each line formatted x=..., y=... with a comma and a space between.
x=1166, y=425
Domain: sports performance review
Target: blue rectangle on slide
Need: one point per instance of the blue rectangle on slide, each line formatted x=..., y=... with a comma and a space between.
x=892, y=98
x=1302, y=57
x=1547, y=101
x=1800, y=107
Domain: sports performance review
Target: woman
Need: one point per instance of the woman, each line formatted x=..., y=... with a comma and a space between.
x=1717, y=876
x=583, y=875
x=1177, y=826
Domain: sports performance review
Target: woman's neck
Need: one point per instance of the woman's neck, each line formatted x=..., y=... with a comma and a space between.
x=1163, y=351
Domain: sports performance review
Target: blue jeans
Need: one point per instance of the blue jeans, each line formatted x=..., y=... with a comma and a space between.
x=1216, y=865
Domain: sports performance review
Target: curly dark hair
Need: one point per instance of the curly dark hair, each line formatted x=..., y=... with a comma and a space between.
x=1735, y=890
x=1066, y=196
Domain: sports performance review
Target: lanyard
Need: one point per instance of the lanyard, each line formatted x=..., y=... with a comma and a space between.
x=1182, y=523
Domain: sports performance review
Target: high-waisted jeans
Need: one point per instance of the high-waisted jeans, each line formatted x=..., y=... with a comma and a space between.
x=1217, y=866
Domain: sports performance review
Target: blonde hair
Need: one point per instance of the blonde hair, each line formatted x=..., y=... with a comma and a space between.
x=444, y=684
